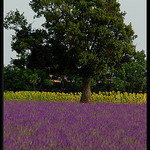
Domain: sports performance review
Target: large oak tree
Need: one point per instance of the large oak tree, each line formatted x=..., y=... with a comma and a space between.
x=79, y=37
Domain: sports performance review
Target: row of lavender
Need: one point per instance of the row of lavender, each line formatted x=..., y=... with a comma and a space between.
x=51, y=125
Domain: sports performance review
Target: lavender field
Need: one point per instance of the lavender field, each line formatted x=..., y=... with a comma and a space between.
x=46, y=125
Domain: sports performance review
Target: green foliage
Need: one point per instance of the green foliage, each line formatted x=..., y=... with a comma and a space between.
x=13, y=79
x=30, y=76
x=16, y=79
x=14, y=20
x=134, y=74
x=90, y=35
x=131, y=78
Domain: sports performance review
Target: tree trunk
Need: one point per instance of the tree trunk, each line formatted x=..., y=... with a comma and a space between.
x=86, y=91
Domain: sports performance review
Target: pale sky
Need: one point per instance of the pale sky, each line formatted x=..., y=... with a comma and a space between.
x=135, y=9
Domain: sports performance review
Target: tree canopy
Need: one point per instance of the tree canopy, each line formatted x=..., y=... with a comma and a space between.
x=78, y=37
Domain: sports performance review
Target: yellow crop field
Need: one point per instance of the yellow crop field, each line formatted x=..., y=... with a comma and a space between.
x=108, y=97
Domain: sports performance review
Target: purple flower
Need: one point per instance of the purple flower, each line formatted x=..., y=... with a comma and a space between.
x=70, y=125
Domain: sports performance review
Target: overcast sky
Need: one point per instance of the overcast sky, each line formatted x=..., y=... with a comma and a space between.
x=135, y=9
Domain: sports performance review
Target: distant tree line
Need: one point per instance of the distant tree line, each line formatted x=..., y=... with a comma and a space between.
x=131, y=78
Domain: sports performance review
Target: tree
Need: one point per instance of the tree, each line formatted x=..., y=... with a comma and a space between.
x=16, y=79
x=133, y=75
x=81, y=37
x=13, y=78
